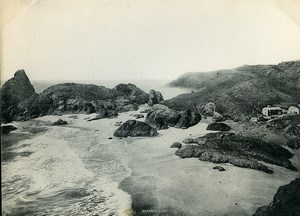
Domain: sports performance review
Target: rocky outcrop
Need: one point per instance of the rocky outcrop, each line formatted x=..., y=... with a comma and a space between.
x=176, y=145
x=154, y=97
x=20, y=102
x=105, y=114
x=224, y=147
x=288, y=127
x=220, y=168
x=13, y=92
x=60, y=122
x=188, y=118
x=209, y=109
x=294, y=143
x=135, y=128
x=292, y=131
x=87, y=98
x=130, y=90
x=286, y=122
x=217, y=117
x=286, y=201
x=161, y=117
x=138, y=116
x=218, y=127
x=6, y=129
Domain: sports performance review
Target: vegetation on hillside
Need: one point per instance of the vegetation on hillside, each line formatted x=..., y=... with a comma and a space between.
x=241, y=92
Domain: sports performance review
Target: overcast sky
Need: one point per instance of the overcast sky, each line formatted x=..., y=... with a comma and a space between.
x=145, y=39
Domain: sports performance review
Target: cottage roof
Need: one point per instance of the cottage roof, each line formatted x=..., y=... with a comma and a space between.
x=293, y=108
x=272, y=108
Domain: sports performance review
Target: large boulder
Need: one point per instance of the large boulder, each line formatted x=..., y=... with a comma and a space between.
x=188, y=118
x=135, y=128
x=161, y=117
x=138, y=116
x=241, y=151
x=6, y=129
x=220, y=168
x=176, y=145
x=137, y=95
x=286, y=201
x=60, y=122
x=13, y=92
x=217, y=126
x=154, y=97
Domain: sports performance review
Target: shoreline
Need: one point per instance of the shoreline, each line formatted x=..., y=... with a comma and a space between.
x=161, y=183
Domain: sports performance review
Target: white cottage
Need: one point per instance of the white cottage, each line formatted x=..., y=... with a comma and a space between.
x=293, y=110
x=272, y=111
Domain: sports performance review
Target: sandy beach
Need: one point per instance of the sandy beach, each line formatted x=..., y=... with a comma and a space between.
x=101, y=176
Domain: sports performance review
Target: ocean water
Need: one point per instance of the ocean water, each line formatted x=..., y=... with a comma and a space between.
x=69, y=170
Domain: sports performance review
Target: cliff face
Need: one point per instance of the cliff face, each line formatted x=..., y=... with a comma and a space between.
x=13, y=92
x=243, y=91
x=20, y=102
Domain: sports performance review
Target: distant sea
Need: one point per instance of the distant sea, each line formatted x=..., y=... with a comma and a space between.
x=146, y=85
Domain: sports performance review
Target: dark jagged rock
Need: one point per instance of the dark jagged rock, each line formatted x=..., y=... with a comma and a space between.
x=286, y=201
x=294, y=143
x=220, y=168
x=188, y=118
x=161, y=117
x=218, y=127
x=291, y=123
x=124, y=104
x=154, y=97
x=137, y=95
x=288, y=127
x=13, y=92
x=224, y=147
x=72, y=98
x=138, y=116
x=135, y=128
x=176, y=145
x=60, y=122
x=105, y=114
x=6, y=129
